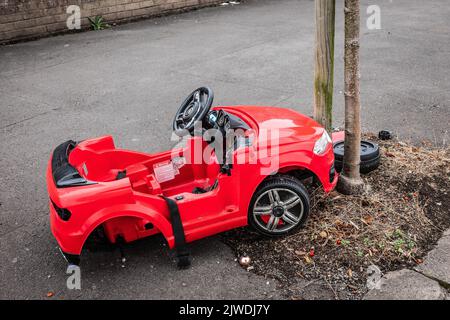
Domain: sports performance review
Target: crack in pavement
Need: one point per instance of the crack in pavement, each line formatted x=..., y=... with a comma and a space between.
x=442, y=283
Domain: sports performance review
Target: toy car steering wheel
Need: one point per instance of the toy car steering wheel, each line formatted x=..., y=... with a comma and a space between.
x=193, y=109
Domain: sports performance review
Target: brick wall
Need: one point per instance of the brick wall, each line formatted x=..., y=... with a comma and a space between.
x=25, y=19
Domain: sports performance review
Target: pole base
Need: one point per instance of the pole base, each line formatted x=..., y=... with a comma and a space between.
x=349, y=186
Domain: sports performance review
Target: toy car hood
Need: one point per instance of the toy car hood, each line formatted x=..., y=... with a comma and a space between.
x=288, y=123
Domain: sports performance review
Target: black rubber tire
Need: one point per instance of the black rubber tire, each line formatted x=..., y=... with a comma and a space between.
x=280, y=181
x=98, y=242
x=370, y=156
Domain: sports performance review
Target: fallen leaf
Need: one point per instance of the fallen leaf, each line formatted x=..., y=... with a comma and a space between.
x=308, y=259
x=367, y=219
x=300, y=253
x=350, y=273
x=323, y=234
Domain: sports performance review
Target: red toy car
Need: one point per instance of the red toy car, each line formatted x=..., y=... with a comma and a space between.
x=253, y=178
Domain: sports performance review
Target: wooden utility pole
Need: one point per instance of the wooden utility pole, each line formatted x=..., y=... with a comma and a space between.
x=324, y=62
x=350, y=181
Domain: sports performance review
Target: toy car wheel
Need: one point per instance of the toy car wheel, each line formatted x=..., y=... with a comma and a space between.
x=279, y=206
x=370, y=156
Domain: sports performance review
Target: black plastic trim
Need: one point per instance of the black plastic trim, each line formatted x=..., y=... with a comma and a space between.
x=71, y=258
x=64, y=214
x=64, y=174
x=332, y=173
x=236, y=122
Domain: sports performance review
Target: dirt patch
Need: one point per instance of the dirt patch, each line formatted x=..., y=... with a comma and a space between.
x=392, y=226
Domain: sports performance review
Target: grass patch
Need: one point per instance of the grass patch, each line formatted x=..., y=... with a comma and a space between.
x=98, y=23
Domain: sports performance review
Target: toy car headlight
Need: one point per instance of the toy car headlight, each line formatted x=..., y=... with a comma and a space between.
x=321, y=144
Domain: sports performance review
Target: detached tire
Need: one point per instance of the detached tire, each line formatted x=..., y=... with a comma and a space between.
x=370, y=156
x=279, y=206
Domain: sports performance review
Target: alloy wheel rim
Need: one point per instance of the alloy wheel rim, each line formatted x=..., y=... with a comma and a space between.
x=278, y=210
